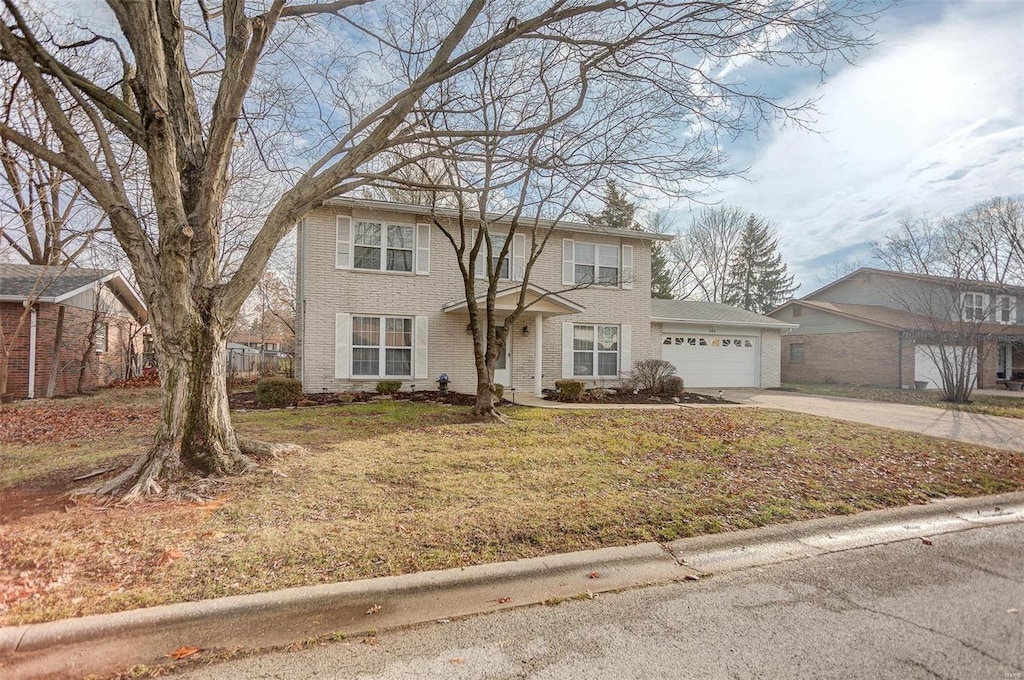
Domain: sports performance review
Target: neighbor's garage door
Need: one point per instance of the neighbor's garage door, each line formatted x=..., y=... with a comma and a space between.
x=925, y=367
x=713, y=360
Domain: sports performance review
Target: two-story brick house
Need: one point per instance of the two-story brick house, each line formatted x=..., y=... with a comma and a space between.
x=380, y=296
x=879, y=327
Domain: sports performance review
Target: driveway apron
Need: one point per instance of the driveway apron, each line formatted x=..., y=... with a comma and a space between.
x=971, y=428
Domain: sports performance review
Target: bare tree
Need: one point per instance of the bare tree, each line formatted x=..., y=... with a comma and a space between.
x=191, y=81
x=956, y=314
x=703, y=252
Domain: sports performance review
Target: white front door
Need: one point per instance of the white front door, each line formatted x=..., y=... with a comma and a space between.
x=503, y=366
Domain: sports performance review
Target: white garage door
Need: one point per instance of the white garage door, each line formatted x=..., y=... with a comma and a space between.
x=713, y=360
x=925, y=367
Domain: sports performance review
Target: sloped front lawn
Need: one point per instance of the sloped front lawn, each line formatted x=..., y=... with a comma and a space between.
x=391, y=488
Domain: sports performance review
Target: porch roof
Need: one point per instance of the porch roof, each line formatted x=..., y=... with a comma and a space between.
x=538, y=300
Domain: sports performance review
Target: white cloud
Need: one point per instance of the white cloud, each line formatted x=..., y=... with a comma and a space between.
x=932, y=122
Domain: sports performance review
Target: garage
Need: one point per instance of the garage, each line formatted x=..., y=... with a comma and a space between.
x=925, y=368
x=705, y=360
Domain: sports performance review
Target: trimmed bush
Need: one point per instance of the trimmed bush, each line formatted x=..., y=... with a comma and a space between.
x=672, y=386
x=569, y=390
x=388, y=386
x=499, y=391
x=649, y=375
x=278, y=392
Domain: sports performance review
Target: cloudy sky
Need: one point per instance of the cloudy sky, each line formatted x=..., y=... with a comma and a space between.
x=930, y=121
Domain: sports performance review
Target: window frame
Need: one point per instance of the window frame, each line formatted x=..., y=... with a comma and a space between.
x=101, y=337
x=595, y=266
x=1009, y=310
x=383, y=347
x=802, y=352
x=596, y=352
x=383, y=247
x=977, y=309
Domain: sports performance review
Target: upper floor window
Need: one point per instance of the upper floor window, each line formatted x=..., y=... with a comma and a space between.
x=597, y=264
x=974, y=307
x=383, y=247
x=501, y=265
x=1005, y=311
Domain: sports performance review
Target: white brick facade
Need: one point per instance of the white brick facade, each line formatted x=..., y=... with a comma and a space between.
x=325, y=291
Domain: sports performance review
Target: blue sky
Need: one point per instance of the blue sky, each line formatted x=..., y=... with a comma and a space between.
x=930, y=121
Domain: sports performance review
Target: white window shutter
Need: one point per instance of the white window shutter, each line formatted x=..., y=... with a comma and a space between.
x=343, y=243
x=568, y=266
x=518, y=257
x=625, y=351
x=342, y=345
x=626, y=275
x=422, y=249
x=566, y=348
x=419, y=362
x=481, y=256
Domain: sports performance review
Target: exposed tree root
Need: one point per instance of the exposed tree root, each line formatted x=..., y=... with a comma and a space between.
x=490, y=414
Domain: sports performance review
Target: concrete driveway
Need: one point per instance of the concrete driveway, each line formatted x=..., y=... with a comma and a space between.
x=972, y=428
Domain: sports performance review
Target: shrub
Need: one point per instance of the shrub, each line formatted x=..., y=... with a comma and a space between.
x=499, y=391
x=672, y=386
x=388, y=386
x=278, y=392
x=569, y=390
x=649, y=375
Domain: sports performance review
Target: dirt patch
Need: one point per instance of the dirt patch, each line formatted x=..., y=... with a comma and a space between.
x=18, y=503
x=247, y=400
x=627, y=397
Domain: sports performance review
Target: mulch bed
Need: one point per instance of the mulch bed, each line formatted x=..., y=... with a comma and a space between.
x=627, y=397
x=247, y=400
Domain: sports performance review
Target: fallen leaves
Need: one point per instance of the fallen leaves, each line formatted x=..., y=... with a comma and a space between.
x=166, y=557
x=593, y=574
x=47, y=423
x=373, y=610
x=183, y=653
x=504, y=600
x=926, y=541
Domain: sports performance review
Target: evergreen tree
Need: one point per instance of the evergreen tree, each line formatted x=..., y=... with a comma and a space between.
x=620, y=213
x=758, y=280
x=661, y=279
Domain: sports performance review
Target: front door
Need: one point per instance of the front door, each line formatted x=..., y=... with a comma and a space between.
x=1005, y=364
x=503, y=366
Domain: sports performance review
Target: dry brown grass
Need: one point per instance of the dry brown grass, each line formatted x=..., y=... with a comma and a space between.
x=391, y=488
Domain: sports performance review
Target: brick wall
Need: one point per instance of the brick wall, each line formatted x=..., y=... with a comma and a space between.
x=865, y=358
x=326, y=291
x=102, y=366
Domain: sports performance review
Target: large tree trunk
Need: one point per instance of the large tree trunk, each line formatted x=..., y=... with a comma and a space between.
x=58, y=338
x=195, y=434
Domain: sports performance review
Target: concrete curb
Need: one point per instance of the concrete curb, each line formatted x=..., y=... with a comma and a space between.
x=74, y=648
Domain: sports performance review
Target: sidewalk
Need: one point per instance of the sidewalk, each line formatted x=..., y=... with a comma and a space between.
x=107, y=643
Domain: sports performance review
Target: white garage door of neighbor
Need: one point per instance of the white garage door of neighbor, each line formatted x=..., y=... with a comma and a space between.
x=713, y=360
x=926, y=369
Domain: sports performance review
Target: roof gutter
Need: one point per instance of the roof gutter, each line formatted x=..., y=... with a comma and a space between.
x=706, y=322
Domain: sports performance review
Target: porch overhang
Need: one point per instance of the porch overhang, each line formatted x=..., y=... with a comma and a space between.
x=537, y=301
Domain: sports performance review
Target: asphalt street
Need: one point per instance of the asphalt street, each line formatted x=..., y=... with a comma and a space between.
x=952, y=609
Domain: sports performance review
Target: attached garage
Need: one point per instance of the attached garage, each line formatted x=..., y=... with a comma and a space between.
x=706, y=360
x=716, y=345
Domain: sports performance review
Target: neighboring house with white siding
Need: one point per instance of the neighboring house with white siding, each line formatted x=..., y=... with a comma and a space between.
x=380, y=296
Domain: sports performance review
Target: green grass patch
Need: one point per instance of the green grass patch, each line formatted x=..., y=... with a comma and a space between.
x=395, y=487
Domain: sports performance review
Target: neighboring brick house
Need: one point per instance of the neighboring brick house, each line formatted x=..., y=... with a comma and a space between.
x=380, y=296
x=878, y=327
x=97, y=305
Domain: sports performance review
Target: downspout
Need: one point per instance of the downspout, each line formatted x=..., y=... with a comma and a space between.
x=32, y=354
x=899, y=362
x=300, y=302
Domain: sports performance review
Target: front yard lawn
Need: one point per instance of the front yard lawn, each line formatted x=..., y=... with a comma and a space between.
x=987, y=404
x=392, y=488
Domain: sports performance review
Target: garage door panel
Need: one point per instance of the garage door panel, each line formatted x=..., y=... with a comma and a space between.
x=713, y=360
x=925, y=367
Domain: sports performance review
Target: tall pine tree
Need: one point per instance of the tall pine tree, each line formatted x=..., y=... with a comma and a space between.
x=758, y=280
x=620, y=213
